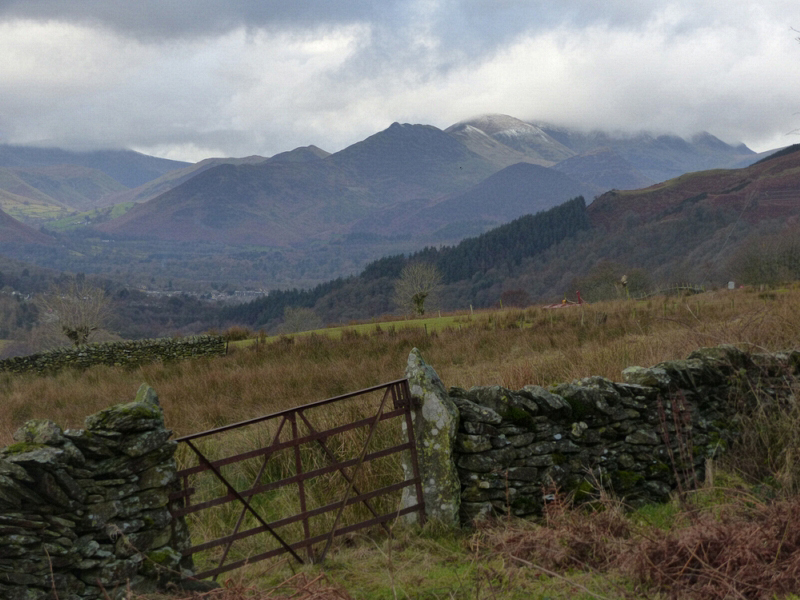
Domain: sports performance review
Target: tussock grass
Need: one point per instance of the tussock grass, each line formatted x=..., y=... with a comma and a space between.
x=510, y=347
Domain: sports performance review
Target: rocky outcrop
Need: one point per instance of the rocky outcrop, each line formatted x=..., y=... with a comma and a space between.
x=85, y=512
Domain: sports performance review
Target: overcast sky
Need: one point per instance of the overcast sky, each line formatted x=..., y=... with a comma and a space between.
x=189, y=79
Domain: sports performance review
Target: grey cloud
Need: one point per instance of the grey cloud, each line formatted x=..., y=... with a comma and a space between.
x=245, y=77
x=462, y=23
x=158, y=19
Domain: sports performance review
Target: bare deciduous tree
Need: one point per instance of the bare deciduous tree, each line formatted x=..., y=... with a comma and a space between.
x=76, y=309
x=419, y=283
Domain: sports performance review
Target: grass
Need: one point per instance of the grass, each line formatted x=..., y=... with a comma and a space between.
x=23, y=208
x=512, y=347
x=94, y=216
x=427, y=325
x=552, y=346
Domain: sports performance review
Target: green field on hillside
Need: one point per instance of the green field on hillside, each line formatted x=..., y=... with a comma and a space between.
x=91, y=217
x=427, y=325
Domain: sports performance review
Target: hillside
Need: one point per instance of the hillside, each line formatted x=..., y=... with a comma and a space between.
x=63, y=186
x=505, y=140
x=236, y=204
x=769, y=189
x=305, y=216
x=518, y=190
x=462, y=266
x=657, y=157
x=406, y=180
x=301, y=154
x=597, y=158
x=604, y=169
x=13, y=233
x=156, y=187
x=693, y=228
x=166, y=182
x=129, y=168
x=281, y=202
x=39, y=184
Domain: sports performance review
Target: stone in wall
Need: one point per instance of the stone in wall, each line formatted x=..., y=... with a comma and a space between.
x=84, y=512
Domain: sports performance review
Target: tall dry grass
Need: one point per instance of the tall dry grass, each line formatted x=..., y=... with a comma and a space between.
x=511, y=348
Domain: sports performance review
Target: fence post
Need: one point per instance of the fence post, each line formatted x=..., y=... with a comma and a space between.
x=435, y=418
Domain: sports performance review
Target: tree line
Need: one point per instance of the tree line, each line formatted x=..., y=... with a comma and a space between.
x=370, y=293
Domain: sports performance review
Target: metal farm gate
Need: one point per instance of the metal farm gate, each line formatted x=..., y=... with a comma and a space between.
x=292, y=481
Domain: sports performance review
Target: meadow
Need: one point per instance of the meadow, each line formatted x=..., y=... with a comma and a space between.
x=571, y=553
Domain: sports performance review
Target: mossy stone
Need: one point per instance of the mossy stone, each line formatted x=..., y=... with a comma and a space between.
x=435, y=427
x=624, y=481
x=652, y=377
x=40, y=431
x=22, y=448
x=519, y=417
x=583, y=492
x=133, y=416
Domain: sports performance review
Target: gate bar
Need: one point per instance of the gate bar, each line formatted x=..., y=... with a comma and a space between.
x=289, y=480
x=233, y=491
x=303, y=543
x=352, y=484
x=294, y=518
x=344, y=473
x=280, y=413
x=287, y=444
x=402, y=406
x=239, y=521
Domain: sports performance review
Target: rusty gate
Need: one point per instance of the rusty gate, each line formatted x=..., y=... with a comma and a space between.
x=325, y=453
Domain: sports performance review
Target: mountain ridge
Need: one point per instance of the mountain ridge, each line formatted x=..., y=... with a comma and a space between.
x=284, y=202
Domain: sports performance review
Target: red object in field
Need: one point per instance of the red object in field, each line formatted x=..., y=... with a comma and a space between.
x=567, y=303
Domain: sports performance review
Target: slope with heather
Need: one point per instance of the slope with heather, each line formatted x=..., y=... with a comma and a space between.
x=769, y=189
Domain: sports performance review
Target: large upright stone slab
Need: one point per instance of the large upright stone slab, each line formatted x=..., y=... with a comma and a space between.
x=435, y=427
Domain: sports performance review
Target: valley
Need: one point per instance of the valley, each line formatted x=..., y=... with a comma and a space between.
x=504, y=209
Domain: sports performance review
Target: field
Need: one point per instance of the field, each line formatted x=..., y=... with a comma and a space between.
x=572, y=553
x=389, y=326
x=98, y=215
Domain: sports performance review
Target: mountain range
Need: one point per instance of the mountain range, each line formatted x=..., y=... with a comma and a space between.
x=413, y=180
x=400, y=189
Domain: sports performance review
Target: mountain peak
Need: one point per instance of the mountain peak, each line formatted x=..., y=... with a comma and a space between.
x=301, y=154
x=706, y=140
x=524, y=138
x=493, y=124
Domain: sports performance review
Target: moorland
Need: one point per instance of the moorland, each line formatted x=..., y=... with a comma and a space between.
x=741, y=519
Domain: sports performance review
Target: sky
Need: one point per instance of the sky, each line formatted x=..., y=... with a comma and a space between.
x=190, y=79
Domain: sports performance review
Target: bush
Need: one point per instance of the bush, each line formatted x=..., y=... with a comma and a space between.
x=236, y=333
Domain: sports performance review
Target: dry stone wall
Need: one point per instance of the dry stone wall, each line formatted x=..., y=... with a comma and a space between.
x=130, y=353
x=514, y=449
x=84, y=513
